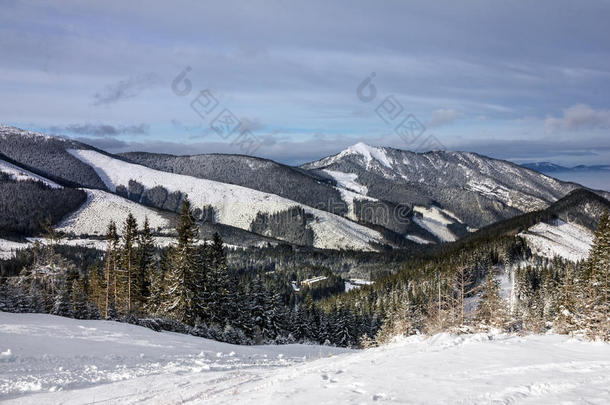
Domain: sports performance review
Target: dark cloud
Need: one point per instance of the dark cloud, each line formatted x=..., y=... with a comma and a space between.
x=101, y=130
x=105, y=143
x=124, y=89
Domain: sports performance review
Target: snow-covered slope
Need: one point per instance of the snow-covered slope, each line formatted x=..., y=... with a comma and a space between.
x=234, y=205
x=435, y=221
x=18, y=174
x=563, y=239
x=45, y=359
x=9, y=247
x=102, y=207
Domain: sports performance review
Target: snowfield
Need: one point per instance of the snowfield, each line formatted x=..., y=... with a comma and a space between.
x=234, y=205
x=18, y=174
x=569, y=241
x=435, y=221
x=93, y=217
x=46, y=359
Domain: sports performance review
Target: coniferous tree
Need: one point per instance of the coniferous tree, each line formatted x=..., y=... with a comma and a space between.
x=128, y=262
x=597, y=300
x=145, y=265
x=182, y=287
x=112, y=241
x=492, y=308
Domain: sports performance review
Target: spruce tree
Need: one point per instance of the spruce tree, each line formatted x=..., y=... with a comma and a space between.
x=128, y=261
x=597, y=302
x=145, y=265
x=112, y=241
x=182, y=286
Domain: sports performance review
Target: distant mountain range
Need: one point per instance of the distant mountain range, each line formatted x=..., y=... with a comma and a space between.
x=548, y=167
x=363, y=198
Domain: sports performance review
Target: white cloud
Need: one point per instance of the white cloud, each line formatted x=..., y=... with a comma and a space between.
x=443, y=117
x=578, y=117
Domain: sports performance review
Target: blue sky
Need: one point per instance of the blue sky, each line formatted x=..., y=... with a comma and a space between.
x=524, y=81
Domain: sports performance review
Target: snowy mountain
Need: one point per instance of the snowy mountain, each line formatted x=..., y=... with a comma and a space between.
x=361, y=198
x=477, y=190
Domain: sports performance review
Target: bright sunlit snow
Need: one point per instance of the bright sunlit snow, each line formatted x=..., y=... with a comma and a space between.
x=46, y=359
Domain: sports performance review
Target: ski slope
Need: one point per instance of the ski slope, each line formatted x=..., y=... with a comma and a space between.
x=234, y=205
x=101, y=207
x=566, y=240
x=48, y=360
x=435, y=220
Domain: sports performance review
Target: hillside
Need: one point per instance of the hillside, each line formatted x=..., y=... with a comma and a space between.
x=231, y=205
x=47, y=156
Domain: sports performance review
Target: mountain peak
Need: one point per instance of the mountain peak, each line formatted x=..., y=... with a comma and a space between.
x=369, y=153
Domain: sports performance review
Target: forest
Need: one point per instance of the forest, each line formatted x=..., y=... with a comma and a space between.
x=194, y=286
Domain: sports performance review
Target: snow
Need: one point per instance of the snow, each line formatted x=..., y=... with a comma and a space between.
x=567, y=240
x=350, y=190
x=435, y=221
x=348, y=181
x=234, y=205
x=417, y=239
x=18, y=174
x=8, y=248
x=9, y=130
x=46, y=353
x=46, y=359
x=369, y=153
x=101, y=207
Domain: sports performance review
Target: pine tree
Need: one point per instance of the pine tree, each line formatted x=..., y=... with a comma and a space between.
x=128, y=261
x=145, y=265
x=182, y=287
x=112, y=240
x=597, y=301
x=492, y=308
x=568, y=319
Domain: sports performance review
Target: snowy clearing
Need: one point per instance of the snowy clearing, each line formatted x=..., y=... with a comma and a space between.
x=234, y=205
x=101, y=207
x=569, y=241
x=46, y=359
x=18, y=174
x=435, y=221
x=8, y=248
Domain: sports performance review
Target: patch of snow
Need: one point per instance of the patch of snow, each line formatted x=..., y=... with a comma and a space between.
x=350, y=190
x=347, y=181
x=101, y=207
x=417, y=239
x=435, y=221
x=18, y=174
x=8, y=248
x=567, y=240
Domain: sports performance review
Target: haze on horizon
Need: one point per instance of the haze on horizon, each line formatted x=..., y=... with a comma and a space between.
x=514, y=80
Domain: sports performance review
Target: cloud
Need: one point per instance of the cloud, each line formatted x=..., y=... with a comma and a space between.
x=251, y=124
x=443, y=117
x=125, y=89
x=105, y=143
x=102, y=130
x=579, y=117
